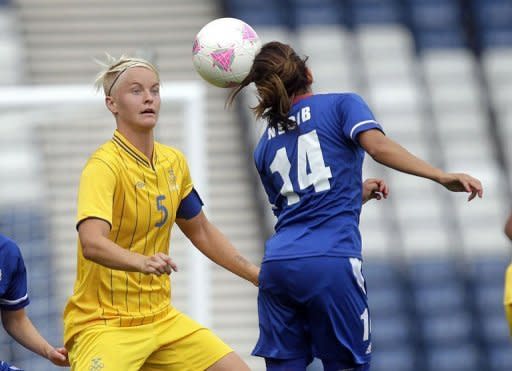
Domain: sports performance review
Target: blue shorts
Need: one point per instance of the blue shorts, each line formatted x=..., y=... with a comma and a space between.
x=4, y=366
x=314, y=307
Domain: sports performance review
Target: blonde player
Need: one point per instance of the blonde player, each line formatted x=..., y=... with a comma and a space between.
x=132, y=191
x=508, y=279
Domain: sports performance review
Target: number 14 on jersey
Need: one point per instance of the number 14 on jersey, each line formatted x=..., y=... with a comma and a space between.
x=309, y=152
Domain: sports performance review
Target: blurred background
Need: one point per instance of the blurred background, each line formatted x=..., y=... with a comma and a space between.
x=438, y=76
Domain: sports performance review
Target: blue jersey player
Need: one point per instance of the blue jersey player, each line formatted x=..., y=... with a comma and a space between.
x=312, y=294
x=13, y=300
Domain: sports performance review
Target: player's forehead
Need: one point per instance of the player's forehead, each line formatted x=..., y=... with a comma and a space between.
x=139, y=75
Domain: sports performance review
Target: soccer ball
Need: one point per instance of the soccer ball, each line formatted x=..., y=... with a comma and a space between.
x=224, y=50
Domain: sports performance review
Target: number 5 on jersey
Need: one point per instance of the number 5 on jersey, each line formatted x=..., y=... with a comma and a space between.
x=160, y=206
x=309, y=152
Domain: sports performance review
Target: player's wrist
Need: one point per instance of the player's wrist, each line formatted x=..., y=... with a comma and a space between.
x=440, y=176
x=140, y=263
x=47, y=350
x=255, y=276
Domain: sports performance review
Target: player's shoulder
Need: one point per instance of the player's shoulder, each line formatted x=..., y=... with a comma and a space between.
x=8, y=247
x=341, y=100
x=106, y=155
x=345, y=97
x=347, y=102
x=105, y=151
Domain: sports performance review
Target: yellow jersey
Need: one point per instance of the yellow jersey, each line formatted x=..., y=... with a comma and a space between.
x=507, y=299
x=139, y=200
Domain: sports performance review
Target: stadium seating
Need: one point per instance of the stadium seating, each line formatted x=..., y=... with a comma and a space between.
x=322, y=12
x=399, y=359
x=457, y=357
x=438, y=75
x=493, y=19
x=272, y=14
x=366, y=12
x=10, y=46
x=436, y=23
x=499, y=358
x=392, y=322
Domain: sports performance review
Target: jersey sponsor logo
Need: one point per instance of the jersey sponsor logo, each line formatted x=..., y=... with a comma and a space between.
x=140, y=184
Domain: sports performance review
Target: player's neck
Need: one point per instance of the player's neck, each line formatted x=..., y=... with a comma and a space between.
x=299, y=97
x=144, y=141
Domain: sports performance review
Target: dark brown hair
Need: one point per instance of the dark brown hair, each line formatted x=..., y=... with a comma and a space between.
x=279, y=75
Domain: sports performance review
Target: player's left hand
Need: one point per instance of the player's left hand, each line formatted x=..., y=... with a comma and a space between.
x=374, y=188
x=460, y=182
x=58, y=356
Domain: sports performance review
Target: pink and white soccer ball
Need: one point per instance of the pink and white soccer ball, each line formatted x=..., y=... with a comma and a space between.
x=224, y=50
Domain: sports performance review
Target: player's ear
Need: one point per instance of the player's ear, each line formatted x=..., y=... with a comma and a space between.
x=111, y=104
x=309, y=75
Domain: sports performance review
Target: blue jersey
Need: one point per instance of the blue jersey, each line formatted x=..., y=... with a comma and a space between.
x=312, y=177
x=13, y=276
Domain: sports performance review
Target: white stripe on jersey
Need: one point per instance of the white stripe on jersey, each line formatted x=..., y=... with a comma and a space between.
x=359, y=124
x=12, y=302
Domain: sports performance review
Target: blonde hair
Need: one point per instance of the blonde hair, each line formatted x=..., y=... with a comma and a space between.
x=113, y=68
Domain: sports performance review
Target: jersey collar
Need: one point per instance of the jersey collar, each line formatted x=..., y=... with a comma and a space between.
x=129, y=148
x=298, y=98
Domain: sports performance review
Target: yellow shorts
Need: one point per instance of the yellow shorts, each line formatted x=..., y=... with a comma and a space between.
x=508, y=297
x=173, y=343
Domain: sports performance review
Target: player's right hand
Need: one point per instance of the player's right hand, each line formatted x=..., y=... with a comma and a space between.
x=374, y=188
x=58, y=356
x=158, y=264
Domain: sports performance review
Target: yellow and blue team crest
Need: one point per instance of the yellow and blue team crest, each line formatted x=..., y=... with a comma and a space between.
x=173, y=186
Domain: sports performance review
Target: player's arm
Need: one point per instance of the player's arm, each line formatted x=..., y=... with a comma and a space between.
x=389, y=153
x=374, y=189
x=508, y=227
x=19, y=326
x=212, y=243
x=95, y=207
x=97, y=247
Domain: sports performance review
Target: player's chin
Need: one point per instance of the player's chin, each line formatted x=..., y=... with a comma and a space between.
x=148, y=121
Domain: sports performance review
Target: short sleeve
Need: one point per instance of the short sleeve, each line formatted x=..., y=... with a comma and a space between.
x=357, y=116
x=186, y=180
x=96, y=191
x=16, y=295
